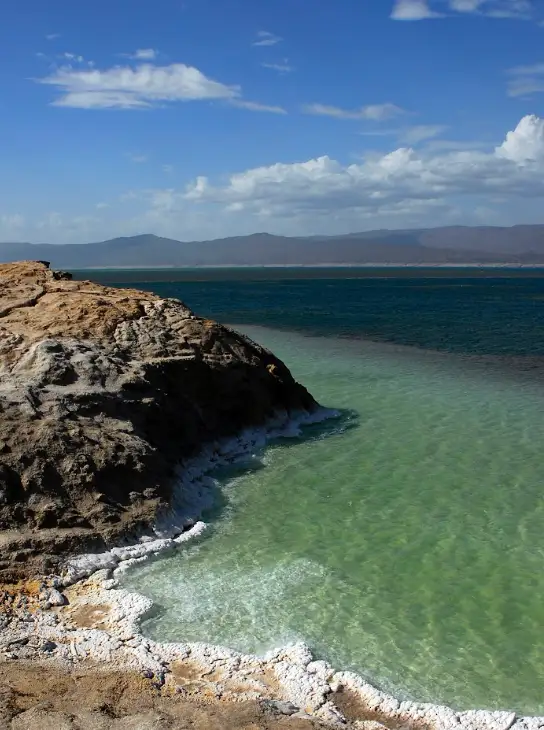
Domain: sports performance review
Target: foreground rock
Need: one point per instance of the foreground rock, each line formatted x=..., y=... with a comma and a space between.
x=102, y=392
x=47, y=697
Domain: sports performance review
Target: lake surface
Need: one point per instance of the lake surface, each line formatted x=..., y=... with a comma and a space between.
x=406, y=540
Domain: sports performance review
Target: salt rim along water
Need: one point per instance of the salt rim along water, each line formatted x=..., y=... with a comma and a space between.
x=193, y=495
x=306, y=683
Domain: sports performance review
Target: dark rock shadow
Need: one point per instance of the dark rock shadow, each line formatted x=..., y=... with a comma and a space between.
x=346, y=420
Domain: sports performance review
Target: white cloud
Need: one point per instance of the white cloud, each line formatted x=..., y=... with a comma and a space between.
x=194, y=191
x=52, y=36
x=124, y=87
x=420, y=133
x=73, y=58
x=396, y=182
x=458, y=183
x=522, y=9
x=412, y=10
x=283, y=67
x=145, y=86
x=144, y=54
x=168, y=169
x=423, y=9
x=255, y=106
x=526, y=80
x=102, y=206
x=373, y=112
x=264, y=38
x=466, y=6
x=525, y=143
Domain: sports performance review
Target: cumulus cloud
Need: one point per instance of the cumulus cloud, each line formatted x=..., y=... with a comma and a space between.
x=372, y=112
x=264, y=38
x=525, y=143
x=125, y=87
x=442, y=182
x=141, y=87
x=400, y=180
x=526, y=80
x=423, y=9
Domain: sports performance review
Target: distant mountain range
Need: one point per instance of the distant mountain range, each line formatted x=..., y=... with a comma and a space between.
x=449, y=245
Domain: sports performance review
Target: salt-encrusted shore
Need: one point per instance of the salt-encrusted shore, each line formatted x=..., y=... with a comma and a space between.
x=93, y=619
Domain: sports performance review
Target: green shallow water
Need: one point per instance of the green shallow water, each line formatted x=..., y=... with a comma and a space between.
x=408, y=547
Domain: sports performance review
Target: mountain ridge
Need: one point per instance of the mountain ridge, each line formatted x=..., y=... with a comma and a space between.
x=521, y=244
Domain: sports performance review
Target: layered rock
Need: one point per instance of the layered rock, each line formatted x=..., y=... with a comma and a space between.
x=103, y=392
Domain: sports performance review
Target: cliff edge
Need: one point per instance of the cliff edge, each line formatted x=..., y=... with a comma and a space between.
x=103, y=392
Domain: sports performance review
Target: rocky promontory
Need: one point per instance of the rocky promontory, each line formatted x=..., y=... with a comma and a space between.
x=103, y=392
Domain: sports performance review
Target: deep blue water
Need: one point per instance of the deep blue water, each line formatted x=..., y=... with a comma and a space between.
x=491, y=316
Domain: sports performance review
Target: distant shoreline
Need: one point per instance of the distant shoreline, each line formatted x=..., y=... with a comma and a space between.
x=311, y=266
x=141, y=275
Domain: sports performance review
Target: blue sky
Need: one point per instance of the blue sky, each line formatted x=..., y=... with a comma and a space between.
x=206, y=118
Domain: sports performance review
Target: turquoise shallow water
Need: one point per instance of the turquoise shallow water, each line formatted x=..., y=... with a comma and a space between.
x=407, y=546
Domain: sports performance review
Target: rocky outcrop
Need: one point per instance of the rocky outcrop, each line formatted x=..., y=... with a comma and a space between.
x=102, y=393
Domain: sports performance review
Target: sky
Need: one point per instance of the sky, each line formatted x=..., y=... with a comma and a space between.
x=199, y=119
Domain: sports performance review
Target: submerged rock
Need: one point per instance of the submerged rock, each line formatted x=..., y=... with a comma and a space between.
x=103, y=392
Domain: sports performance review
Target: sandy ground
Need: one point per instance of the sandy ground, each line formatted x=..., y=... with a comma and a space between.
x=48, y=697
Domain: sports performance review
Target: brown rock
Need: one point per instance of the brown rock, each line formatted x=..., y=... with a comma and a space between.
x=102, y=392
x=34, y=697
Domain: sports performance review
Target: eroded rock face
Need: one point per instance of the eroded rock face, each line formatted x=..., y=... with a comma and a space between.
x=102, y=392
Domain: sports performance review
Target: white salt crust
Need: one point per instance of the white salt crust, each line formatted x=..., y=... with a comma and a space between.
x=288, y=673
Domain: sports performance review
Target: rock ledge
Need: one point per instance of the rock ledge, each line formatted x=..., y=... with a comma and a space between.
x=103, y=392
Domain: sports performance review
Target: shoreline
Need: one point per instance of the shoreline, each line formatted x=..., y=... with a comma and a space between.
x=375, y=265
x=101, y=622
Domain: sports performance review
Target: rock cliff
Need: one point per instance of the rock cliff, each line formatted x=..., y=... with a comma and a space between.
x=103, y=392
